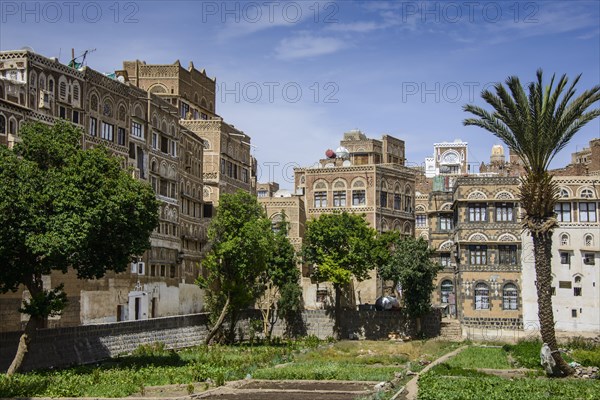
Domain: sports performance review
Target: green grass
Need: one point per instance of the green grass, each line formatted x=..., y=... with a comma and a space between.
x=435, y=386
x=149, y=366
x=526, y=353
x=481, y=357
x=328, y=371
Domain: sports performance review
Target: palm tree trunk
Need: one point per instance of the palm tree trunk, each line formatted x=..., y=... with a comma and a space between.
x=542, y=247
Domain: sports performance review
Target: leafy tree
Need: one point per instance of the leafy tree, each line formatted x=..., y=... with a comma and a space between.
x=340, y=246
x=410, y=263
x=281, y=291
x=62, y=207
x=241, y=247
x=536, y=126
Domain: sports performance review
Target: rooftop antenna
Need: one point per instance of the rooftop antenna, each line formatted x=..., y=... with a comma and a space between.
x=79, y=61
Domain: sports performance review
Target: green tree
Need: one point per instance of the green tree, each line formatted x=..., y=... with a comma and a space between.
x=409, y=262
x=281, y=287
x=536, y=126
x=62, y=207
x=241, y=240
x=339, y=245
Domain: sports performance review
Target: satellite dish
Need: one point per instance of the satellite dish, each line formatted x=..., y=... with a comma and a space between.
x=346, y=163
x=27, y=48
x=121, y=78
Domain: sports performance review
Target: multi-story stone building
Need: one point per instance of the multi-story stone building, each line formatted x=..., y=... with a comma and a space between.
x=227, y=163
x=364, y=176
x=575, y=260
x=145, y=132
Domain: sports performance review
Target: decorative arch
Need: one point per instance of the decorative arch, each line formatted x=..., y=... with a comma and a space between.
x=157, y=89
x=477, y=237
x=588, y=240
x=203, y=103
x=385, y=226
x=163, y=126
x=76, y=94
x=446, y=207
x=153, y=165
x=122, y=114
x=504, y=195
x=420, y=208
x=397, y=225
x=339, y=184
x=586, y=193
x=424, y=235
x=108, y=106
x=12, y=125
x=507, y=237
x=359, y=183
x=62, y=88
x=2, y=124
x=407, y=228
x=94, y=101
x=138, y=112
x=565, y=239
x=476, y=195
x=42, y=81
x=565, y=192
x=33, y=80
x=448, y=245
x=320, y=185
x=163, y=169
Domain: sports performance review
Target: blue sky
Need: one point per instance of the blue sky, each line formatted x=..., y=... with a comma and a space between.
x=296, y=75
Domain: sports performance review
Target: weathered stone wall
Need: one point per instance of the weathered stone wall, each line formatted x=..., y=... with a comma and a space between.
x=91, y=343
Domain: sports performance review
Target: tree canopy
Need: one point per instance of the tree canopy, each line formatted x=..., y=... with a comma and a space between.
x=63, y=207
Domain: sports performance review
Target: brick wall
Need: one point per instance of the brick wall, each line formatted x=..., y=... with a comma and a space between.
x=91, y=343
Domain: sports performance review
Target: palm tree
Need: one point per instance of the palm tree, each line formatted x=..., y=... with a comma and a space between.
x=536, y=126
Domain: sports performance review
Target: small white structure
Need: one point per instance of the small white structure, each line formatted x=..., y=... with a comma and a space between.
x=575, y=261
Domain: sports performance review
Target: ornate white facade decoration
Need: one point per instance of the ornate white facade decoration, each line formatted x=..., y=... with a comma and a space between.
x=447, y=245
x=477, y=237
x=504, y=195
x=476, y=195
x=446, y=207
x=508, y=237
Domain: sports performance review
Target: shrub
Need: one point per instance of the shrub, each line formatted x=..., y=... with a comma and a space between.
x=589, y=358
x=526, y=353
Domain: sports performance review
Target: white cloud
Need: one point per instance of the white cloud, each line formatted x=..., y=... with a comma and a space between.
x=306, y=45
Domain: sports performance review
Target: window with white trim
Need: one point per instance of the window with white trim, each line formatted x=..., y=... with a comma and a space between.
x=477, y=213
x=587, y=212
x=563, y=212
x=137, y=129
x=510, y=297
x=482, y=296
x=320, y=199
x=107, y=132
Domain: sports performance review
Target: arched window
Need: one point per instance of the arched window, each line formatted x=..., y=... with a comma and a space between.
x=107, y=108
x=407, y=199
x=51, y=85
x=359, y=194
x=2, y=125
x=62, y=90
x=320, y=194
x=94, y=102
x=277, y=223
x=587, y=193
x=510, y=297
x=482, y=296
x=588, y=239
x=446, y=288
x=577, y=286
x=564, y=239
x=76, y=93
x=339, y=193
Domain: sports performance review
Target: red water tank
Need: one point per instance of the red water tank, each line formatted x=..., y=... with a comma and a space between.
x=330, y=153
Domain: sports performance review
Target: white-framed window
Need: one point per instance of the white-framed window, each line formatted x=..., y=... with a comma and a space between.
x=507, y=254
x=339, y=198
x=588, y=240
x=421, y=220
x=563, y=212
x=510, y=297
x=564, y=239
x=359, y=197
x=445, y=259
x=446, y=288
x=587, y=193
x=477, y=255
x=320, y=199
x=482, y=296
x=477, y=213
x=504, y=212
x=587, y=212
x=93, y=126
x=445, y=223
x=107, y=132
x=137, y=129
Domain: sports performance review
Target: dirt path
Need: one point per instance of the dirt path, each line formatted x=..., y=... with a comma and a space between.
x=412, y=388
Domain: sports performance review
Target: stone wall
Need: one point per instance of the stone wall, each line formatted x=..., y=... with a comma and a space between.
x=91, y=343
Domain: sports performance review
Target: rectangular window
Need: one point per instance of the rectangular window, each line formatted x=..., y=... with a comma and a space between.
x=75, y=118
x=565, y=258
x=230, y=169
x=445, y=223
x=564, y=285
x=137, y=129
x=107, y=132
x=445, y=259
x=121, y=136
x=185, y=108
x=203, y=116
x=155, y=140
x=563, y=212
x=421, y=220
x=477, y=255
x=173, y=148
x=397, y=201
x=587, y=212
x=504, y=212
x=359, y=198
x=383, y=199
x=164, y=145
x=223, y=170
x=574, y=313
x=93, y=126
x=320, y=199
x=339, y=198
x=477, y=213
x=262, y=193
x=588, y=258
x=576, y=291
x=62, y=112
x=507, y=255
x=244, y=175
